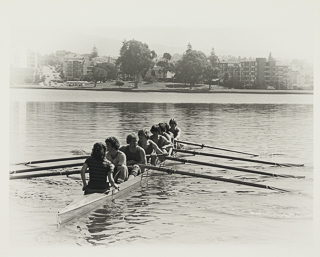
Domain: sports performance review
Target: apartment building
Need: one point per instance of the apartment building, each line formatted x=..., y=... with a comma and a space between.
x=229, y=71
x=73, y=66
x=248, y=72
x=89, y=64
x=261, y=71
x=299, y=78
x=23, y=66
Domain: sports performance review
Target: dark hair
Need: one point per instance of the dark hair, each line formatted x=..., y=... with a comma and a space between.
x=99, y=150
x=172, y=121
x=164, y=127
x=114, y=142
x=131, y=136
x=144, y=132
x=155, y=128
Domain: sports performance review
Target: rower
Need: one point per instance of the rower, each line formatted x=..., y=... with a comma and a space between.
x=118, y=159
x=99, y=169
x=163, y=143
x=150, y=147
x=164, y=131
x=135, y=155
x=176, y=132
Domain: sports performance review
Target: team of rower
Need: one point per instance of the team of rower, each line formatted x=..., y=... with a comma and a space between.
x=120, y=164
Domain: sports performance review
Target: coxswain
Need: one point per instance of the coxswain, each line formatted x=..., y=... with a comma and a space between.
x=99, y=169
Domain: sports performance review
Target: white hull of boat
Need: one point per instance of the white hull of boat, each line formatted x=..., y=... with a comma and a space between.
x=87, y=203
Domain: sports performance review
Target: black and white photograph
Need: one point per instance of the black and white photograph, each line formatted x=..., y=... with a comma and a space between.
x=152, y=128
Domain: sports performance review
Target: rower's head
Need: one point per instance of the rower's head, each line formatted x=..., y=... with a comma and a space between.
x=173, y=123
x=99, y=150
x=132, y=139
x=112, y=142
x=143, y=133
x=155, y=129
x=164, y=127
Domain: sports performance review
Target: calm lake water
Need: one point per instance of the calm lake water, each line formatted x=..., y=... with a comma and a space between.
x=166, y=209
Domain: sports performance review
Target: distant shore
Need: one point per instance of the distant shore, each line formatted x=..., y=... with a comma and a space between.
x=160, y=87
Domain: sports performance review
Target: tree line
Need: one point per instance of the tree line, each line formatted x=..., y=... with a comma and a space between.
x=136, y=59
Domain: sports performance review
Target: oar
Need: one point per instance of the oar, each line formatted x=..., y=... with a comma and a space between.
x=55, y=160
x=217, y=148
x=47, y=168
x=64, y=159
x=47, y=174
x=237, y=158
x=229, y=167
x=214, y=178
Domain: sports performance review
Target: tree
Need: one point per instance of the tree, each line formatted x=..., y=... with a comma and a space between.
x=165, y=64
x=110, y=68
x=99, y=74
x=226, y=77
x=189, y=48
x=135, y=59
x=94, y=53
x=211, y=72
x=167, y=57
x=149, y=79
x=191, y=68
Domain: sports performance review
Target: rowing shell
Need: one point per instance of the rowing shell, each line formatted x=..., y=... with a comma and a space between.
x=87, y=203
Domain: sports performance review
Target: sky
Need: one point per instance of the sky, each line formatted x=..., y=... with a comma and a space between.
x=239, y=28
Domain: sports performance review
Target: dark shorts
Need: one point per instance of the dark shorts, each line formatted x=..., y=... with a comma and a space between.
x=134, y=170
x=90, y=190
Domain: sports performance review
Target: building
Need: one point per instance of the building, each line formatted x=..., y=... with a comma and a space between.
x=89, y=64
x=73, y=66
x=299, y=78
x=61, y=55
x=263, y=72
x=248, y=72
x=23, y=66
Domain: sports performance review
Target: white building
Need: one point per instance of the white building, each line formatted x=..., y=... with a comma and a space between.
x=23, y=66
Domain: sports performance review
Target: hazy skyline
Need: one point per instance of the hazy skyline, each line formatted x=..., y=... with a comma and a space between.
x=240, y=28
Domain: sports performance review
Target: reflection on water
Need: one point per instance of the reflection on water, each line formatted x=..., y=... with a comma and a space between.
x=51, y=129
x=169, y=208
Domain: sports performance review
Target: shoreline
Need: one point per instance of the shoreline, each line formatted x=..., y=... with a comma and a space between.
x=151, y=89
